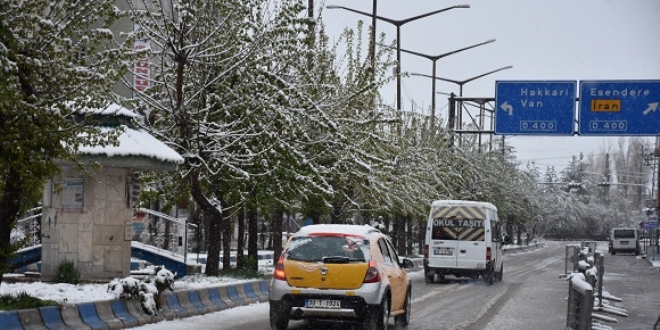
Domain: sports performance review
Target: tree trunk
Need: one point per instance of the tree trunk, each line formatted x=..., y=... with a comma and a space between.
x=226, y=241
x=399, y=232
x=240, y=242
x=253, y=231
x=336, y=211
x=214, y=245
x=386, y=223
x=10, y=205
x=214, y=216
x=278, y=218
x=409, y=235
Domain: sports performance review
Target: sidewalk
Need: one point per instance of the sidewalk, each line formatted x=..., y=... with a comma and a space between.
x=636, y=280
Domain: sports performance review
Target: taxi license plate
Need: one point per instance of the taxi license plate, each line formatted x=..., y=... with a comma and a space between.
x=624, y=242
x=443, y=252
x=322, y=303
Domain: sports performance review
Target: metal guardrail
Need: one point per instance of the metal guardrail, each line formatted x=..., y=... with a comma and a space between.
x=585, y=290
x=580, y=303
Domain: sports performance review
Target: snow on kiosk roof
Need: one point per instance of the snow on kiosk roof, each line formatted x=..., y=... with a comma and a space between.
x=337, y=229
x=136, y=148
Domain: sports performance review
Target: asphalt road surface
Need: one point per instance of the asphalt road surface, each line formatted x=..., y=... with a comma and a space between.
x=531, y=296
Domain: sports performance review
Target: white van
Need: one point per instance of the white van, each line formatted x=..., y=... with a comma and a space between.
x=624, y=239
x=463, y=238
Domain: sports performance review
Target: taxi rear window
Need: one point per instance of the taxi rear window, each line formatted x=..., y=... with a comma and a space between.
x=335, y=248
x=458, y=229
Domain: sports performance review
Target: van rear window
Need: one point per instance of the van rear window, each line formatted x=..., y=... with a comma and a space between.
x=625, y=233
x=458, y=229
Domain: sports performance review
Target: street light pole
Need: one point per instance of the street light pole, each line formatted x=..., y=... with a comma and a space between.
x=434, y=59
x=460, y=84
x=398, y=24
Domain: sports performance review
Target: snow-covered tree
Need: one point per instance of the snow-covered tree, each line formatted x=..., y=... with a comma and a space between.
x=227, y=95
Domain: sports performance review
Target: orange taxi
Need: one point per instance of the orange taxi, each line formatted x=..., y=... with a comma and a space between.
x=340, y=272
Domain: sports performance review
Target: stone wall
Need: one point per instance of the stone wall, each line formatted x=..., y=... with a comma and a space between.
x=87, y=219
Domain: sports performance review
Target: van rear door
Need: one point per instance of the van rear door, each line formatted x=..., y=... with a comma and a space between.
x=472, y=244
x=458, y=238
x=444, y=243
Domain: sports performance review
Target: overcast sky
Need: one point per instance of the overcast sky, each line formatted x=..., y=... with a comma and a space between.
x=542, y=40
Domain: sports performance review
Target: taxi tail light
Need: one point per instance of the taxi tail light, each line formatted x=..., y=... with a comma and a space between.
x=279, y=273
x=372, y=275
x=426, y=251
x=489, y=255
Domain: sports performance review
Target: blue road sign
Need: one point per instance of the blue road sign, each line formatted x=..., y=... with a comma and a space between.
x=619, y=107
x=535, y=107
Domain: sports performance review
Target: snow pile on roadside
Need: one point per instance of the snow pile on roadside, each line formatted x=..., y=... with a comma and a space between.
x=70, y=293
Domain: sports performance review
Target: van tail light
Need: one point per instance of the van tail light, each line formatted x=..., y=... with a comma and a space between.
x=372, y=275
x=426, y=251
x=488, y=254
x=279, y=273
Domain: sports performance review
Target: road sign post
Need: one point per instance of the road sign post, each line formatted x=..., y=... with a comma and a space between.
x=618, y=107
x=535, y=107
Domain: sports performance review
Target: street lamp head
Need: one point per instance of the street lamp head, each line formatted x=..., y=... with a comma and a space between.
x=463, y=6
x=333, y=7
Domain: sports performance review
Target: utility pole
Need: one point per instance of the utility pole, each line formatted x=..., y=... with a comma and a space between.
x=607, y=175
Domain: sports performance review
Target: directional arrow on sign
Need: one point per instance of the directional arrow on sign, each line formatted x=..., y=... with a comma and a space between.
x=508, y=108
x=652, y=107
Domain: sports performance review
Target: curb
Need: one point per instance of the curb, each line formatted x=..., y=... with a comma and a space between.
x=530, y=247
x=122, y=314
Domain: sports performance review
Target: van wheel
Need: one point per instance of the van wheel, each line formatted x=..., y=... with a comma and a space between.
x=613, y=252
x=490, y=277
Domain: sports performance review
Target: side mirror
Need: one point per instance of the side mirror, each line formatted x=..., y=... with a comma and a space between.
x=408, y=263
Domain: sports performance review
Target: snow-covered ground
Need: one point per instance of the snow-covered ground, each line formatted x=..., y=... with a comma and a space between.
x=69, y=293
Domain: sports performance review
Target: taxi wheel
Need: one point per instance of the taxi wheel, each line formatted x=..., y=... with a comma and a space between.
x=279, y=318
x=379, y=317
x=404, y=319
